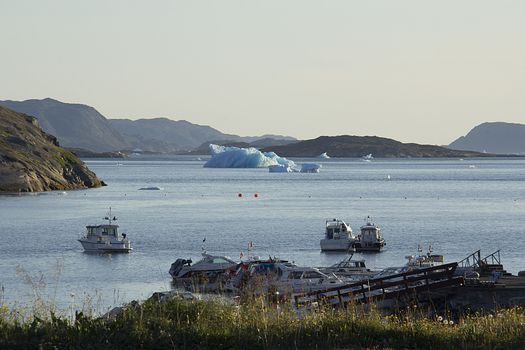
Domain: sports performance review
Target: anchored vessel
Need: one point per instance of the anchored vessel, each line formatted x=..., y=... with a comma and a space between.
x=349, y=267
x=209, y=273
x=105, y=237
x=370, y=238
x=338, y=236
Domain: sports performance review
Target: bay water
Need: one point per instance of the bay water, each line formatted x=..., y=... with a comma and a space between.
x=457, y=206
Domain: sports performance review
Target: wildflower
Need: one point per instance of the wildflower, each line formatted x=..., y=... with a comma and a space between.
x=440, y=319
x=445, y=322
x=451, y=322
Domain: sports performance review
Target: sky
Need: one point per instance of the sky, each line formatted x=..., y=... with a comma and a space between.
x=416, y=71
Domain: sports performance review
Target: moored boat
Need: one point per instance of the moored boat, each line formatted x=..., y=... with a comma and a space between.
x=208, y=274
x=105, y=238
x=337, y=237
x=370, y=239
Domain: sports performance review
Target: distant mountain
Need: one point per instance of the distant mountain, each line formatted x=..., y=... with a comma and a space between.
x=359, y=146
x=167, y=135
x=83, y=128
x=497, y=137
x=75, y=125
x=31, y=160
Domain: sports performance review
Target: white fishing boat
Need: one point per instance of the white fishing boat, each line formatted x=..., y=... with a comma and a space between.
x=281, y=277
x=370, y=239
x=207, y=274
x=350, y=268
x=338, y=236
x=424, y=260
x=105, y=238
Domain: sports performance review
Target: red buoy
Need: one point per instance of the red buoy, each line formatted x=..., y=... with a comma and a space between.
x=240, y=195
x=256, y=195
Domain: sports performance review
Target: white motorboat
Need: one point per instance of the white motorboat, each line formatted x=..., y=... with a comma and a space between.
x=281, y=277
x=105, y=238
x=348, y=267
x=427, y=260
x=338, y=236
x=207, y=274
x=370, y=238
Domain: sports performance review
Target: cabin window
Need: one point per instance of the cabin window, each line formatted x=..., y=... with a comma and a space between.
x=295, y=275
x=329, y=233
x=312, y=274
x=219, y=261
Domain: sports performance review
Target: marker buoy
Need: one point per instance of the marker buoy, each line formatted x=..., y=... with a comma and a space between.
x=239, y=195
x=256, y=195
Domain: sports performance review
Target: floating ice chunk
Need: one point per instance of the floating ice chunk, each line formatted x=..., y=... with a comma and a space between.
x=281, y=168
x=324, y=155
x=235, y=157
x=152, y=188
x=310, y=168
x=367, y=158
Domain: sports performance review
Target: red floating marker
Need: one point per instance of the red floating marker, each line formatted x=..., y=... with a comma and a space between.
x=256, y=195
x=239, y=195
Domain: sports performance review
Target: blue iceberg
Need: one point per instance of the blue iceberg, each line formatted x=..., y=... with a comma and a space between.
x=235, y=157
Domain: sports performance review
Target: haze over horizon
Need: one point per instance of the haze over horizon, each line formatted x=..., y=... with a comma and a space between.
x=409, y=70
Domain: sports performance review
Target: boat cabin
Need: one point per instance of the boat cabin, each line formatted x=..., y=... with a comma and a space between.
x=337, y=229
x=103, y=230
x=370, y=233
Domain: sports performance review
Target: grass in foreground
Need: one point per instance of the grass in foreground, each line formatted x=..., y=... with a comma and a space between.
x=190, y=324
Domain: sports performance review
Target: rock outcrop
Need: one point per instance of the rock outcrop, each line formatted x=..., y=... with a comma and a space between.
x=33, y=161
x=359, y=146
x=497, y=137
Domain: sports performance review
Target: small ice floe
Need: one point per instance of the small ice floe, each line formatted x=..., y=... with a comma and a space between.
x=280, y=168
x=310, y=168
x=285, y=168
x=151, y=188
x=324, y=155
x=367, y=158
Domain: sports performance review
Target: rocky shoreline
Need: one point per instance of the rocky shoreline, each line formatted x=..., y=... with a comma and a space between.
x=33, y=161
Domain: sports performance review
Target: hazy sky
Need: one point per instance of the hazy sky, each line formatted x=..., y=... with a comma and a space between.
x=421, y=71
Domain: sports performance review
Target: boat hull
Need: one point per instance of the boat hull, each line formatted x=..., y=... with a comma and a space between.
x=376, y=247
x=120, y=247
x=341, y=245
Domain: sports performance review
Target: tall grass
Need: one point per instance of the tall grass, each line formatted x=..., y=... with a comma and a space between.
x=260, y=324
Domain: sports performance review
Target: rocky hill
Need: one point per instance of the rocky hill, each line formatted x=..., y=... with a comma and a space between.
x=82, y=127
x=359, y=146
x=75, y=125
x=166, y=135
x=177, y=136
x=498, y=137
x=32, y=160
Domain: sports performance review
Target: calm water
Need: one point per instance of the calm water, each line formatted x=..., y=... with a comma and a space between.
x=458, y=206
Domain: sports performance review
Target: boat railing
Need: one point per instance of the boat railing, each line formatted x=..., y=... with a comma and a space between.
x=493, y=259
x=472, y=261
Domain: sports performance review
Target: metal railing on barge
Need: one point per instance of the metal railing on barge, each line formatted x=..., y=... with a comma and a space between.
x=387, y=287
